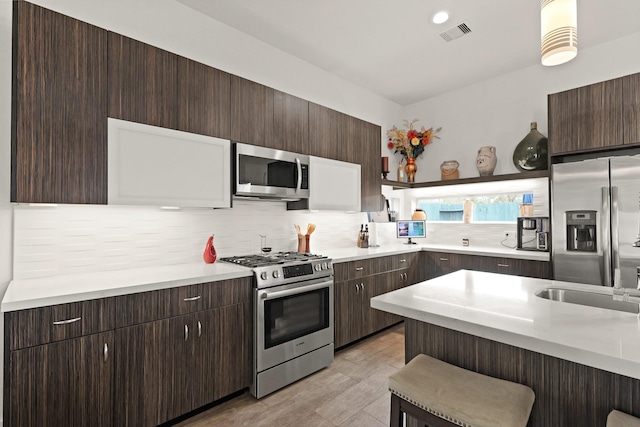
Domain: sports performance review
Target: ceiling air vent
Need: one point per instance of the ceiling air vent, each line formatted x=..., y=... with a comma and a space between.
x=456, y=32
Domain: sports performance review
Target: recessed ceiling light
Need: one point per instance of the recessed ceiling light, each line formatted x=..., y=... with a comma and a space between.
x=440, y=17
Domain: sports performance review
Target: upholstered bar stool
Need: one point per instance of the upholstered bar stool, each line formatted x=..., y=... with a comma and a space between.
x=443, y=395
x=620, y=419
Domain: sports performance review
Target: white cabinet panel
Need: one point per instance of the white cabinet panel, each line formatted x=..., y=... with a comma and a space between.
x=149, y=165
x=333, y=185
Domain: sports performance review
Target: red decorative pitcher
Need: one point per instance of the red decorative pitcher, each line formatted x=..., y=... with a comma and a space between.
x=209, y=255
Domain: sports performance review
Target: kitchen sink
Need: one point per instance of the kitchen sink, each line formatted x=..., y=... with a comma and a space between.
x=591, y=299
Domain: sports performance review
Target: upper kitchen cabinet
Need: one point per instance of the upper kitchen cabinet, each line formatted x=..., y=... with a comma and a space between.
x=364, y=148
x=335, y=184
x=204, y=98
x=290, y=122
x=631, y=108
x=252, y=113
x=327, y=133
x=143, y=83
x=587, y=118
x=59, y=108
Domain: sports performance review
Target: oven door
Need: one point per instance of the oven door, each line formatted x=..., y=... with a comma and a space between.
x=269, y=173
x=292, y=320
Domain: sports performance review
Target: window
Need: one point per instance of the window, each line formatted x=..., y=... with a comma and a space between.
x=493, y=208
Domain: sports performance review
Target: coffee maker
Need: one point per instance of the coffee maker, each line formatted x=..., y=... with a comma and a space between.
x=533, y=233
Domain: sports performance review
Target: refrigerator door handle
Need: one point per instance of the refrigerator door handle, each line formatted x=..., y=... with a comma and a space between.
x=604, y=236
x=615, y=253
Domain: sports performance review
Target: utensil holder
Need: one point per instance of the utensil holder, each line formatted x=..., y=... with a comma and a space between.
x=306, y=240
x=302, y=243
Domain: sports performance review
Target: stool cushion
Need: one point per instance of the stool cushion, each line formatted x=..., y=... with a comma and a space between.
x=620, y=419
x=461, y=396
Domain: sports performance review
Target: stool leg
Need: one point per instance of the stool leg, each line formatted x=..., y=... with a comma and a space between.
x=396, y=415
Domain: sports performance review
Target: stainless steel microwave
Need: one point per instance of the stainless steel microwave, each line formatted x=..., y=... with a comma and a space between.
x=271, y=174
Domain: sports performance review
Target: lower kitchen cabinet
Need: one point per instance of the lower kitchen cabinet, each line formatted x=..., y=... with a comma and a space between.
x=441, y=263
x=174, y=351
x=354, y=317
x=172, y=366
x=65, y=383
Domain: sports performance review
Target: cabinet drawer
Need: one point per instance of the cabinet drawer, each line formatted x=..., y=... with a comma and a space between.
x=42, y=325
x=161, y=304
x=353, y=269
x=404, y=260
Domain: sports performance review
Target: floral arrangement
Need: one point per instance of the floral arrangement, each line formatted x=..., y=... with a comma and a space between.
x=410, y=143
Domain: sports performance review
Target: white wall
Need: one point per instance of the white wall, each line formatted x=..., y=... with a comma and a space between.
x=498, y=111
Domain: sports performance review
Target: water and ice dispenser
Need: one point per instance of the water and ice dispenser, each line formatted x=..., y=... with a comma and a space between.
x=581, y=231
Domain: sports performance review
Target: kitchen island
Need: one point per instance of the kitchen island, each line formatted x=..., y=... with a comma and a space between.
x=581, y=361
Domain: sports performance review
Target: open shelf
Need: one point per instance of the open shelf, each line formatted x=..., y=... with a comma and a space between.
x=493, y=178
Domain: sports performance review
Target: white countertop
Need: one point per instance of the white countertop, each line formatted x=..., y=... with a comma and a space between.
x=30, y=293
x=355, y=253
x=504, y=308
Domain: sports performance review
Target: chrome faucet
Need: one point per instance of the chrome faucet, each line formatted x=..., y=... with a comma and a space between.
x=625, y=294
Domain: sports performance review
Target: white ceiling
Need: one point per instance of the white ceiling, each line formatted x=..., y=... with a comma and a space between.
x=392, y=48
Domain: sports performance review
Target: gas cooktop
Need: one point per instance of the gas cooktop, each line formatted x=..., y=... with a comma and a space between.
x=284, y=267
x=276, y=258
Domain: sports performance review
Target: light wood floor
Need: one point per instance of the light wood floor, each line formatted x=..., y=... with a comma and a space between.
x=351, y=392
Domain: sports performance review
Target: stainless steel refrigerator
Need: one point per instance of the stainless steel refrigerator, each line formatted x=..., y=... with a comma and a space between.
x=596, y=221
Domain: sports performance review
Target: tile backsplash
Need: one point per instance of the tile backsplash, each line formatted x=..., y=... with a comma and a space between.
x=72, y=239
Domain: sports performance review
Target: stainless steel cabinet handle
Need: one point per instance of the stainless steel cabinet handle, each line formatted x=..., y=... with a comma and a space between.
x=405, y=276
x=444, y=259
x=199, y=328
x=196, y=298
x=357, y=289
x=503, y=265
x=66, y=322
x=401, y=276
x=105, y=351
x=361, y=287
x=359, y=268
x=186, y=332
x=403, y=260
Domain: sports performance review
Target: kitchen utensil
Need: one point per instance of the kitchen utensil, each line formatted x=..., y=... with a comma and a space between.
x=311, y=228
x=298, y=229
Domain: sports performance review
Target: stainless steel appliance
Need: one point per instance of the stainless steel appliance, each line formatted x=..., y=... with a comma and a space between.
x=533, y=233
x=268, y=173
x=596, y=220
x=293, y=317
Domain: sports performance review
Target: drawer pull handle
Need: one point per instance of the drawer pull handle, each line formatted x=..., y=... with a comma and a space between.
x=444, y=259
x=403, y=260
x=186, y=332
x=105, y=352
x=66, y=322
x=196, y=298
x=503, y=265
x=359, y=268
x=199, y=329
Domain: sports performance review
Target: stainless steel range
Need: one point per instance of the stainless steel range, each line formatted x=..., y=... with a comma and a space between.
x=293, y=317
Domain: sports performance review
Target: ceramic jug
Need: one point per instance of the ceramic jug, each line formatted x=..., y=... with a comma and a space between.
x=486, y=160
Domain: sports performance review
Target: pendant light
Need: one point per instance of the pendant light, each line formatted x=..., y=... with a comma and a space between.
x=559, y=28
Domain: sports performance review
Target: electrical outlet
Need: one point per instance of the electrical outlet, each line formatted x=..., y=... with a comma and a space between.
x=465, y=242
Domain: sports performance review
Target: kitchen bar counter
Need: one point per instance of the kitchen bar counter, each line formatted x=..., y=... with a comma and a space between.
x=30, y=293
x=505, y=309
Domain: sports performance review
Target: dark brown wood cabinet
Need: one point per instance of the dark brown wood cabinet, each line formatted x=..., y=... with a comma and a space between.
x=290, y=122
x=327, y=133
x=356, y=282
x=252, y=113
x=204, y=99
x=143, y=84
x=586, y=118
x=441, y=263
x=90, y=363
x=67, y=383
x=59, y=105
x=631, y=108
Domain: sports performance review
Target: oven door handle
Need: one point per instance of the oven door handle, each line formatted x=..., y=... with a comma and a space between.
x=267, y=295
